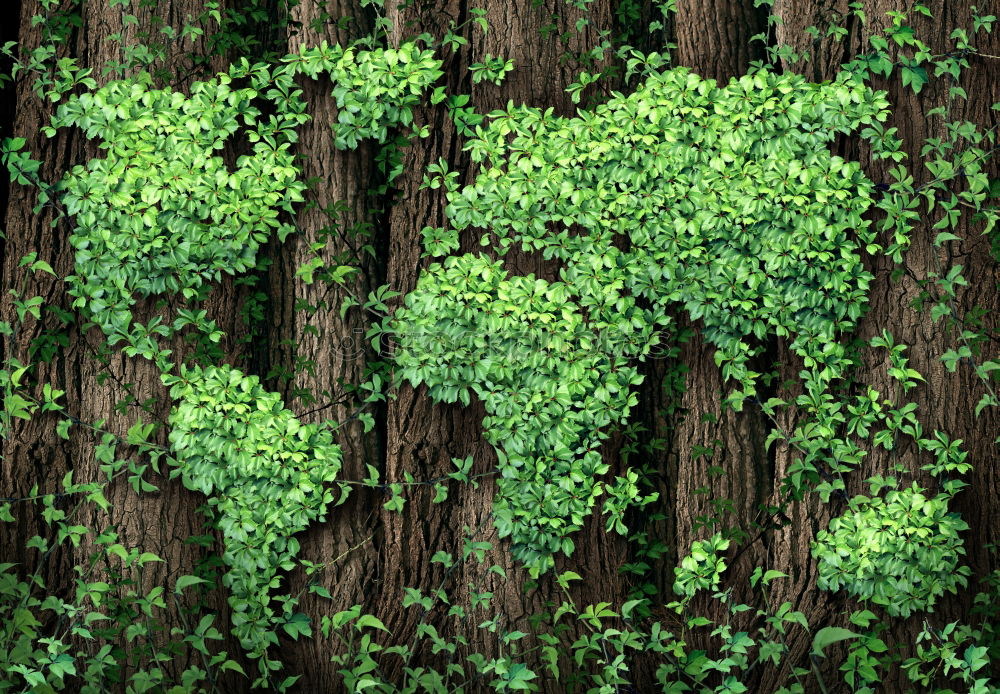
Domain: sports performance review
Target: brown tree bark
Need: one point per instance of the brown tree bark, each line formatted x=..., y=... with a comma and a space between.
x=99, y=383
x=313, y=352
x=713, y=471
x=717, y=473
x=946, y=400
x=422, y=437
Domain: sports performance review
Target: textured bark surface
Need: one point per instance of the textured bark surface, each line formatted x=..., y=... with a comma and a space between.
x=306, y=336
x=946, y=401
x=709, y=465
x=423, y=437
x=158, y=522
x=719, y=473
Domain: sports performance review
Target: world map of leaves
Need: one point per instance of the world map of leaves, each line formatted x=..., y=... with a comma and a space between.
x=723, y=200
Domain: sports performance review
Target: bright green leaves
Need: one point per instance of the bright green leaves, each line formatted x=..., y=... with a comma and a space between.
x=375, y=90
x=900, y=551
x=953, y=652
x=723, y=200
x=549, y=388
x=265, y=474
x=730, y=201
x=702, y=568
x=161, y=212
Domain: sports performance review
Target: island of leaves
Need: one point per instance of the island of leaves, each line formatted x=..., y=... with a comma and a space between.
x=900, y=551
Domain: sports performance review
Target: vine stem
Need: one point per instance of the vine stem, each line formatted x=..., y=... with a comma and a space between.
x=819, y=677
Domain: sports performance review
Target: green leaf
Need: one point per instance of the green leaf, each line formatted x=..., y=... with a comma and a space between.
x=830, y=635
x=187, y=581
x=370, y=621
x=297, y=625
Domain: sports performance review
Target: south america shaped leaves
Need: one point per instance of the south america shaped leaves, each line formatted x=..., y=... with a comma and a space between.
x=265, y=475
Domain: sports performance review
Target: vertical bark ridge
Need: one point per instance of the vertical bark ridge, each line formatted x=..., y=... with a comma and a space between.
x=719, y=454
x=320, y=351
x=423, y=437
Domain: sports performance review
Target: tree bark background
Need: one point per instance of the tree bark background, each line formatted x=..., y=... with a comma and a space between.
x=159, y=522
x=705, y=455
x=309, y=351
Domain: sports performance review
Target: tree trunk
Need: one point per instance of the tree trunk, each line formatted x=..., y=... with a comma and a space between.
x=946, y=401
x=717, y=473
x=709, y=465
x=423, y=437
x=312, y=352
x=100, y=383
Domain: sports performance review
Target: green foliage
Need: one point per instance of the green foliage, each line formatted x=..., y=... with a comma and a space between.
x=492, y=69
x=900, y=551
x=723, y=201
x=954, y=650
x=161, y=212
x=732, y=208
x=265, y=475
x=376, y=91
x=702, y=568
x=522, y=347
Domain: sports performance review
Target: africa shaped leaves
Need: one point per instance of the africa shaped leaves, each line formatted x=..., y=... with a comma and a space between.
x=549, y=388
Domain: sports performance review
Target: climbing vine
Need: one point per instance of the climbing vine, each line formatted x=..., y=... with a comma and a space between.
x=675, y=195
x=266, y=476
